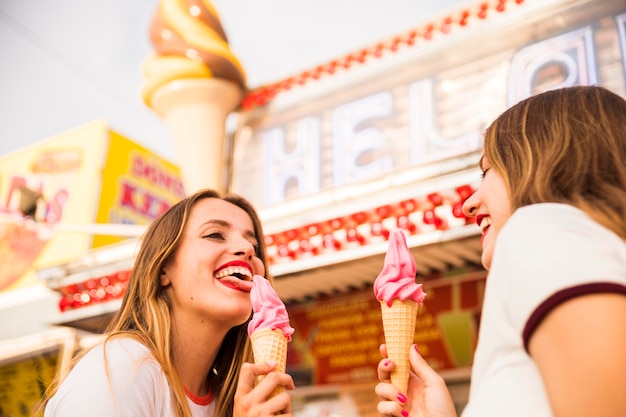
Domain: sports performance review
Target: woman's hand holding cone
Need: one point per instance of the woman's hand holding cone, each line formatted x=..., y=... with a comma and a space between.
x=251, y=399
x=427, y=395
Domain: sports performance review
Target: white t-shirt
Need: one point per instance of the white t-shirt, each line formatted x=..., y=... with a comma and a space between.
x=545, y=254
x=132, y=385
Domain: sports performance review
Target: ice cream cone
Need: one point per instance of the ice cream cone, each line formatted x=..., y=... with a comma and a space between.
x=399, y=328
x=195, y=112
x=271, y=345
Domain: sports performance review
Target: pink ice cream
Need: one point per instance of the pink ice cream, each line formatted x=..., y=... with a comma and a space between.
x=397, y=279
x=269, y=310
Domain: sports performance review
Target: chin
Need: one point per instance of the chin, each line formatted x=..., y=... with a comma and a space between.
x=243, y=317
x=486, y=260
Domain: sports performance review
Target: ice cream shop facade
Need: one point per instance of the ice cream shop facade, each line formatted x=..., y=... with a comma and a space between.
x=388, y=137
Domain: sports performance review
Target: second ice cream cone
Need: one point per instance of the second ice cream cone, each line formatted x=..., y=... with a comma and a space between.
x=269, y=345
x=399, y=328
x=195, y=112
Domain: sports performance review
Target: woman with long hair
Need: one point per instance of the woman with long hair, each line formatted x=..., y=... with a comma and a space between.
x=178, y=345
x=552, y=211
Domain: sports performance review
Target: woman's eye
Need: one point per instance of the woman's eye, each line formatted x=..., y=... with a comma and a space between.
x=214, y=235
x=482, y=175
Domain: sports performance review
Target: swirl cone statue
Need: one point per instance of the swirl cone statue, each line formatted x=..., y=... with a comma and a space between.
x=193, y=81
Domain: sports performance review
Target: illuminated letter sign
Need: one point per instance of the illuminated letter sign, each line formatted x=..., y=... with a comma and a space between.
x=296, y=172
x=426, y=144
x=360, y=150
x=561, y=61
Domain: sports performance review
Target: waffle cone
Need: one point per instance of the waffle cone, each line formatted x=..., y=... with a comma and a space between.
x=399, y=327
x=195, y=111
x=268, y=344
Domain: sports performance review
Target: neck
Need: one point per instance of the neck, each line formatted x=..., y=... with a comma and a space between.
x=195, y=348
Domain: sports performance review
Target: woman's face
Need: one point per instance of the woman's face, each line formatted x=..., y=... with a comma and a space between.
x=491, y=208
x=209, y=276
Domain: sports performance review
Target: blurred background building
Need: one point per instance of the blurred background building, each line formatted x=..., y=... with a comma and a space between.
x=360, y=118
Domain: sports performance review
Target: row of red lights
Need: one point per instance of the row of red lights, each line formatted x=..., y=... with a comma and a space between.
x=263, y=95
x=436, y=211
x=94, y=290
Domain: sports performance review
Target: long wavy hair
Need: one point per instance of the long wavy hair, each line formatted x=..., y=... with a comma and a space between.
x=565, y=146
x=145, y=310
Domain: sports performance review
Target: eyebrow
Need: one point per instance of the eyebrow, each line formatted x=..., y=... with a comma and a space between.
x=217, y=221
x=224, y=223
x=480, y=162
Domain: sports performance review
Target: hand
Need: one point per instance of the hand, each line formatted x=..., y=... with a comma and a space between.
x=428, y=395
x=251, y=400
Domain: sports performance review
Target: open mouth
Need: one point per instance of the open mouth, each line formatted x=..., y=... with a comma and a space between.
x=238, y=272
x=236, y=275
x=483, y=222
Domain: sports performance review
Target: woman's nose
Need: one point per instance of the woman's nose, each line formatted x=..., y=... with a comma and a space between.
x=470, y=206
x=244, y=248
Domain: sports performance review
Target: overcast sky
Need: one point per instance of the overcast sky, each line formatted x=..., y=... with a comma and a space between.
x=68, y=62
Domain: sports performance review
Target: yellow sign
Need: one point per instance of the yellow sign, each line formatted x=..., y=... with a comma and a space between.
x=137, y=186
x=88, y=175
x=22, y=383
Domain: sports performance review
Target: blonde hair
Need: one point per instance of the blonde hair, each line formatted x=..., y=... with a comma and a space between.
x=566, y=146
x=145, y=310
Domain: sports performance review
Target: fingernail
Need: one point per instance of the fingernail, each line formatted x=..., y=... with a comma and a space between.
x=271, y=363
x=417, y=349
x=402, y=398
x=386, y=363
x=405, y=413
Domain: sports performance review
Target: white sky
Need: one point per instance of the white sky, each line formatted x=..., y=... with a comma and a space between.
x=68, y=62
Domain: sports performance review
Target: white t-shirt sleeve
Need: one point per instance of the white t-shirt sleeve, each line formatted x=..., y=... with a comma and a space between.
x=131, y=385
x=546, y=252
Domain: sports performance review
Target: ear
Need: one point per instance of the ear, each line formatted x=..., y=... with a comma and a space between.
x=165, y=278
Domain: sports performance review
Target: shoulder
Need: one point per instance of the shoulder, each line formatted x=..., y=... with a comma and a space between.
x=124, y=359
x=545, y=249
x=550, y=216
x=125, y=348
x=118, y=354
x=120, y=376
x=562, y=231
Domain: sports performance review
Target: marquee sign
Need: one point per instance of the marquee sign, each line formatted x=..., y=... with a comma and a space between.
x=425, y=107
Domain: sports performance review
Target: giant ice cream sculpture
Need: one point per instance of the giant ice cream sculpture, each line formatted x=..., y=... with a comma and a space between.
x=193, y=81
x=269, y=327
x=399, y=297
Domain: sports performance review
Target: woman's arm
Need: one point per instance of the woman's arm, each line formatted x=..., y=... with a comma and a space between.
x=579, y=350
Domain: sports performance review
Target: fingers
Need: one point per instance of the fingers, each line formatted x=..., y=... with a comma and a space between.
x=420, y=367
x=253, y=399
x=248, y=374
x=389, y=404
x=383, y=350
x=386, y=391
x=389, y=408
x=279, y=404
x=385, y=366
x=272, y=380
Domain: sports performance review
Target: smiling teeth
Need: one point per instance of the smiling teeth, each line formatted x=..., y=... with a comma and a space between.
x=484, y=224
x=226, y=272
